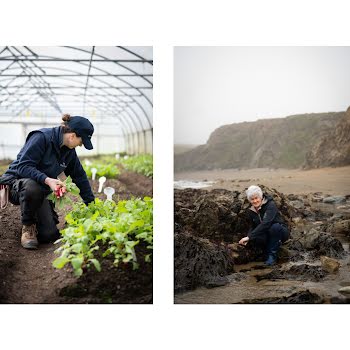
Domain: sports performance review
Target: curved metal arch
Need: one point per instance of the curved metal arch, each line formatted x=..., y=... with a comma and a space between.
x=66, y=70
x=117, y=63
x=98, y=55
x=133, y=53
x=40, y=81
x=108, y=85
x=119, y=105
x=105, y=109
x=124, y=127
x=128, y=114
x=119, y=89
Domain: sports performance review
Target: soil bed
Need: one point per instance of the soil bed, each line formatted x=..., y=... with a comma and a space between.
x=28, y=276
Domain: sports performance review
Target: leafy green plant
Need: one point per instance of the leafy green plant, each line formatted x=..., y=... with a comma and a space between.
x=107, y=165
x=142, y=164
x=108, y=170
x=113, y=229
x=62, y=201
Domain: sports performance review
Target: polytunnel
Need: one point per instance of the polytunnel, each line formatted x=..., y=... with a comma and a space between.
x=111, y=86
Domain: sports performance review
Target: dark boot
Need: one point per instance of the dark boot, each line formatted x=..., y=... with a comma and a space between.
x=28, y=239
x=272, y=251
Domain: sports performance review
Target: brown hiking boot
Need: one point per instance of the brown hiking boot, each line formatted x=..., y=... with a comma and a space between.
x=28, y=239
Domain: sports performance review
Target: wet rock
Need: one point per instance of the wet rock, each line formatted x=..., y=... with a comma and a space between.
x=221, y=215
x=244, y=254
x=284, y=253
x=344, y=290
x=343, y=207
x=310, y=240
x=236, y=277
x=298, y=204
x=292, y=250
x=334, y=199
x=198, y=262
x=342, y=226
x=303, y=272
x=322, y=243
x=297, y=220
x=338, y=217
x=316, y=198
x=208, y=221
x=292, y=197
x=303, y=297
x=340, y=300
x=217, y=215
x=299, y=223
x=330, y=265
x=217, y=282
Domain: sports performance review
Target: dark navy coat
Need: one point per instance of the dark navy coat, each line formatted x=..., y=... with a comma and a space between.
x=264, y=218
x=42, y=156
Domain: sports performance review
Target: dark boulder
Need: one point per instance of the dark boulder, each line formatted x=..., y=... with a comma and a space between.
x=322, y=243
x=199, y=262
x=221, y=215
x=302, y=272
x=245, y=254
x=303, y=297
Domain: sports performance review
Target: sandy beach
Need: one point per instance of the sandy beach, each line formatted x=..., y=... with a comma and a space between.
x=331, y=181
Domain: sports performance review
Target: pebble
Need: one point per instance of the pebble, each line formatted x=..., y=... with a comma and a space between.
x=344, y=290
x=343, y=207
x=329, y=264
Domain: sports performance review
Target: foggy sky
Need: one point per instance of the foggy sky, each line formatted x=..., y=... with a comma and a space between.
x=214, y=86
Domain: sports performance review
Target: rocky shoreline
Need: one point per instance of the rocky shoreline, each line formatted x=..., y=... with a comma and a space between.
x=209, y=223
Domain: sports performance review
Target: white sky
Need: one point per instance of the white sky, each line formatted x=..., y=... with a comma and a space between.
x=215, y=86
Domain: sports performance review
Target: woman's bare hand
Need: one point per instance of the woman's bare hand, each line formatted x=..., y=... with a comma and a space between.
x=54, y=184
x=244, y=241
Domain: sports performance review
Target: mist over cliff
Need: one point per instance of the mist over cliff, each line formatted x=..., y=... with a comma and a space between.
x=291, y=142
x=333, y=149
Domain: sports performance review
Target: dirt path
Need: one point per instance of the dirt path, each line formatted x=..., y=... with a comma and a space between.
x=28, y=276
x=332, y=181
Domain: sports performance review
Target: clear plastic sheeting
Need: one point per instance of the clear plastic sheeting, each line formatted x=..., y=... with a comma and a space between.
x=112, y=86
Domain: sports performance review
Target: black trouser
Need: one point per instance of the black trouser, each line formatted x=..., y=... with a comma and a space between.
x=35, y=208
x=273, y=238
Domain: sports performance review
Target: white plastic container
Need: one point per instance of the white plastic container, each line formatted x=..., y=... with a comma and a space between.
x=101, y=181
x=109, y=192
x=93, y=173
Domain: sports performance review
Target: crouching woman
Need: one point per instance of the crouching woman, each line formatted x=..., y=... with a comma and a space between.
x=268, y=229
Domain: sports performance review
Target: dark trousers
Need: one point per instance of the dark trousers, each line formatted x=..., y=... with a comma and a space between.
x=35, y=208
x=274, y=237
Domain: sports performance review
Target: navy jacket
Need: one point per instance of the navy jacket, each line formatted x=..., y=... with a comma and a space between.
x=42, y=157
x=262, y=220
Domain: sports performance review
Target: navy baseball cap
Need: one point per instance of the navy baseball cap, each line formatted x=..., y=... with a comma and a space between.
x=83, y=128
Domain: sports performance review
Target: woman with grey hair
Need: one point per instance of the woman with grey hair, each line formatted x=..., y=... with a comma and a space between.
x=267, y=226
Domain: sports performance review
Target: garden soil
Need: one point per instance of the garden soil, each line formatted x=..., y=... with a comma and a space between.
x=27, y=276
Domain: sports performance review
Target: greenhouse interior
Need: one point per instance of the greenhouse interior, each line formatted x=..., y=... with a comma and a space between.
x=111, y=86
x=76, y=231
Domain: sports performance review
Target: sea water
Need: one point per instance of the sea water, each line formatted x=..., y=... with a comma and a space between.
x=181, y=184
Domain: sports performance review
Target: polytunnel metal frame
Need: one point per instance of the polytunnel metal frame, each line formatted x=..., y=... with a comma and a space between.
x=121, y=100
